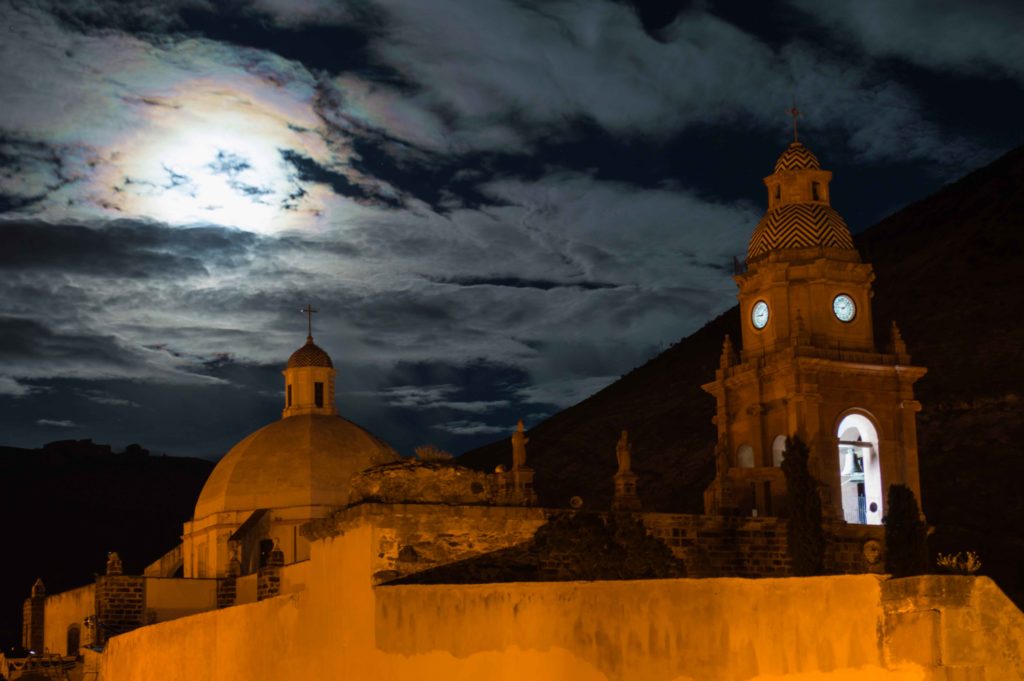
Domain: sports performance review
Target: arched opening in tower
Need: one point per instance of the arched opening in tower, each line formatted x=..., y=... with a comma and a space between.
x=860, y=475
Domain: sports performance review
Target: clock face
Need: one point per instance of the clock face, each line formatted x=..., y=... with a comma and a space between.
x=759, y=314
x=844, y=308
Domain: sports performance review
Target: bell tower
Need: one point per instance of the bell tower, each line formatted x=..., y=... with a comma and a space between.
x=809, y=365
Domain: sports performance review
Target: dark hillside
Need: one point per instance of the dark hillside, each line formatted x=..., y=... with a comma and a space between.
x=69, y=503
x=950, y=271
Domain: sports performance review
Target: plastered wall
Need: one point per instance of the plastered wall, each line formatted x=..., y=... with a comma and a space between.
x=832, y=628
x=66, y=609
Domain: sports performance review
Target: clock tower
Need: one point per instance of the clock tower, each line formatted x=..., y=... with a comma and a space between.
x=809, y=365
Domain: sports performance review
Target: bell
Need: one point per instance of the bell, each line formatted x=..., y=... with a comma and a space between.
x=850, y=462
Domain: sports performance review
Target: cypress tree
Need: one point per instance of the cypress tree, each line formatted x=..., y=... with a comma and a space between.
x=906, y=548
x=806, y=538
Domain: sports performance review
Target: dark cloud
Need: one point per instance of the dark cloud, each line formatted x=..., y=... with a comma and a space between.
x=27, y=342
x=120, y=249
x=981, y=38
x=308, y=170
x=515, y=282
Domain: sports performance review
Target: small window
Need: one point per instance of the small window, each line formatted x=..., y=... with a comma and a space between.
x=778, y=450
x=815, y=192
x=769, y=507
x=745, y=456
x=318, y=394
x=266, y=546
x=289, y=396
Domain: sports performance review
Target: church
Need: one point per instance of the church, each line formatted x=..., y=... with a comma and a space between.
x=302, y=555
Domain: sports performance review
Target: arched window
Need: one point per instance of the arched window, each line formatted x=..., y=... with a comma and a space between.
x=745, y=456
x=778, y=449
x=860, y=471
x=815, y=191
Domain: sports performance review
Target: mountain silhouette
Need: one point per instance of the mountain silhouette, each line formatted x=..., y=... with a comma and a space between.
x=950, y=272
x=70, y=502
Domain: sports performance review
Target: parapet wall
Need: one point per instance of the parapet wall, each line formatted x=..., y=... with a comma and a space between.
x=840, y=628
x=66, y=611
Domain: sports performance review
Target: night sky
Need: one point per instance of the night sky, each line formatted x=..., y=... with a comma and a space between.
x=498, y=207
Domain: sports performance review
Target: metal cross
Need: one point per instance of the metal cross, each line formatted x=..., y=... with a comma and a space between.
x=794, y=112
x=309, y=310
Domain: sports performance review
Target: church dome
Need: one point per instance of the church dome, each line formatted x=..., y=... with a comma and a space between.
x=303, y=460
x=309, y=355
x=799, y=225
x=797, y=157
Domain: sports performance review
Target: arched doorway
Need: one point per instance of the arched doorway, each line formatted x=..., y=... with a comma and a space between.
x=860, y=475
x=74, y=639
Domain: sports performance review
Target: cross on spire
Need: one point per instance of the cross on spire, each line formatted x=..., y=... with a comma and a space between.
x=794, y=112
x=309, y=310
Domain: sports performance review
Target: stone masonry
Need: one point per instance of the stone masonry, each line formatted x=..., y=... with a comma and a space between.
x=32, y=618
x=120, y=601
x=729, y=546
x=268, y=579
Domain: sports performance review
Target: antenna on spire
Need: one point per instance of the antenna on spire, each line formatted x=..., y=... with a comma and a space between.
x=794, y=112
x=309, y=310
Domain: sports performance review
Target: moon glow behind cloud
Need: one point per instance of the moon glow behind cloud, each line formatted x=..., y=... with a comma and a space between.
x=497, y=209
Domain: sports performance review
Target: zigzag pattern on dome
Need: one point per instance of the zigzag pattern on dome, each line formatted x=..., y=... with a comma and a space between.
x=799, y=225
x=797, y=157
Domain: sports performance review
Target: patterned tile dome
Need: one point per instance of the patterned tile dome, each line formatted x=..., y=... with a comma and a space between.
x=799, y=225
x=310, y=355
x=797, y=157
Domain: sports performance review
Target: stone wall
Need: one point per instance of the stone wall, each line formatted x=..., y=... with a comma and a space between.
x=120, y=604
x=409, y=538
x=67, y=610
x=740, y=546
x=33, y=619
x=840, y=628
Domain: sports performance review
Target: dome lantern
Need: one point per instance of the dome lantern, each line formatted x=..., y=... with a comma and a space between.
x=309, y=378
x=800, y=213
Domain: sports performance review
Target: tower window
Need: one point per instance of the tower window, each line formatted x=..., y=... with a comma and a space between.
x=289, y=398
x=815, y=191
x=778, y=192
x=318, y=394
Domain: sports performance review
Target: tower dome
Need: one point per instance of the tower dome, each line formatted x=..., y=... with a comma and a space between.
x=800, y=214
x=797, y=157
x=310, y=355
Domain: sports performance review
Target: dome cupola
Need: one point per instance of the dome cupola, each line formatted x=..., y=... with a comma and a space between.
x=309, y=379
x=800, y=214
x=310, y=355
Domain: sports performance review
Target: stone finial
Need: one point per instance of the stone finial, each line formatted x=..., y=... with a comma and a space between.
x=728, y=354
x=624, y=453
x=896, y=344
x=38, y=588
x=114, y=566
x=519, y=441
